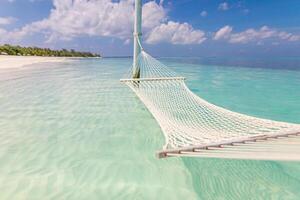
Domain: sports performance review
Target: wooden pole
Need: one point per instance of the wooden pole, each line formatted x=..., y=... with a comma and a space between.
x=137, y=35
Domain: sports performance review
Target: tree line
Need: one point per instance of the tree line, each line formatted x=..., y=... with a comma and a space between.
x=36, y=51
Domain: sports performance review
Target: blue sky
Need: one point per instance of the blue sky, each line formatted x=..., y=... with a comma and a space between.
x=244, y=28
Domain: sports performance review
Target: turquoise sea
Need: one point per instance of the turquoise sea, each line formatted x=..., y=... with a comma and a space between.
x=73, y=131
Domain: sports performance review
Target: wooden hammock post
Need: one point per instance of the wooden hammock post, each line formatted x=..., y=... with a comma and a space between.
x=137, y=35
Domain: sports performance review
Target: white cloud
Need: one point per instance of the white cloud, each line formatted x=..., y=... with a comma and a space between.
x=70, y=19
x=294, y=38
x=223, y=33
x=15, y=35
x=103, y=18
x=253, y=35
x=7, y=20
x=153, y=15
x=204, y=13
x=175, y=33
x=223, y=6
x=32, y=1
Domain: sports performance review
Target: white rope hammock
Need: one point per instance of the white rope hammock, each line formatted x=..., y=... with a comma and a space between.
x=195, y=127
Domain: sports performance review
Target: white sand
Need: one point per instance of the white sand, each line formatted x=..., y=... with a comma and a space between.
x=8, y=62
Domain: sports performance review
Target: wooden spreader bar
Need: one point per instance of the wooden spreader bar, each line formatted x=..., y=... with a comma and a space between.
x=221, y=145
x=152, y=79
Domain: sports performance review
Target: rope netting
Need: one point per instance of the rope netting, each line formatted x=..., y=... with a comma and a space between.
x=195, y=127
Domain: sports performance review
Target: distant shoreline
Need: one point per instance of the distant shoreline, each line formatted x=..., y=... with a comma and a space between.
x=49, y=56
x=37, y=51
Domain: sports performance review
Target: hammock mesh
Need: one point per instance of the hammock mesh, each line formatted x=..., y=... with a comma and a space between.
x=195, y=127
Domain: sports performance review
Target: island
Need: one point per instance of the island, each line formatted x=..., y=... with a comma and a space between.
x=46, y=52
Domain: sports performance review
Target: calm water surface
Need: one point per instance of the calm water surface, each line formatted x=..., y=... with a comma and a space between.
x=72, y=131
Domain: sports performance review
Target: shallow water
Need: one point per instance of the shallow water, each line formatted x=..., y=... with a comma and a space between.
x=72, y=131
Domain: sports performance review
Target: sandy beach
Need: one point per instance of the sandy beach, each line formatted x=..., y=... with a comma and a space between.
x=8, y=62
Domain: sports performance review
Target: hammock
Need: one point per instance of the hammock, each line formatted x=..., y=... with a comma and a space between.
x=195, y=127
